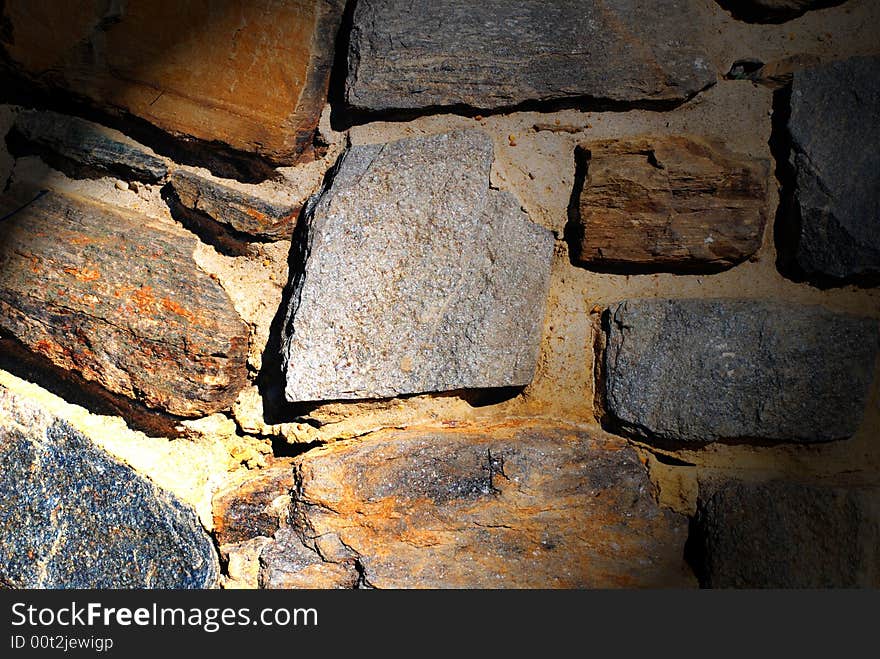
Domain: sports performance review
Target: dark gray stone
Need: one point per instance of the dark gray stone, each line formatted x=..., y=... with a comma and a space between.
x=706, y=370
x=242, y=212
x=409, y=54
x=417, y=277
x=835, y=135
x=73, y=517
x=787, y=535
x=83, y=148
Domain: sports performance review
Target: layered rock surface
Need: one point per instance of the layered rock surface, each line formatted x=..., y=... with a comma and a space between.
x=669, y=203
x=85, y=148
x=428, y=279
x=120, y=302
x=515, y=507
x=498, y=53
x=73, y=517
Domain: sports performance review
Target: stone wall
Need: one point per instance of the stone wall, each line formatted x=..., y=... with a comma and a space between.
x=440, y=294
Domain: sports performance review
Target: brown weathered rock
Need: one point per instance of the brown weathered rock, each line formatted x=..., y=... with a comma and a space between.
x=242, y=212
x=255, y=507
x=527, y=507
x=669, y=203
x=252, y=76
x=120, y=301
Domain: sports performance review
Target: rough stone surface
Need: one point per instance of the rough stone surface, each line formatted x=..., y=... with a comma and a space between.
x=73, y=517
x=669, y=203
x=249, y=76
x=787, y=535
x=835, y=130
x=242, y=212
x=423, y=277
x=121, y=302
x=774, y=11
x=498, y=53
x=253, y=508
x=288, y=563
x=706, y=370
x=85, y=148
x=528, y=507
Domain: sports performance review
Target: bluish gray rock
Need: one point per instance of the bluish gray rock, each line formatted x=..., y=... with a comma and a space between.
x=835, y=151
x=417, y=276
x=411, y=54
x=71, y=516
x=706, y=370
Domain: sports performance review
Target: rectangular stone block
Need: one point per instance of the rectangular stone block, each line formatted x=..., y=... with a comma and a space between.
x=411, y=54
x=835, y=133
x=669, y=203
x=706, y=370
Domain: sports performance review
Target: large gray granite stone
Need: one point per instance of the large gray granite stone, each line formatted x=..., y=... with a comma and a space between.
x=417, y=277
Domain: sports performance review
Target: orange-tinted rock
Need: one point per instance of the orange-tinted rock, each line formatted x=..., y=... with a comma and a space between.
x=529, y=507
x=253, y=508
x=249, y=75
x=119, y=300
x=669, y=203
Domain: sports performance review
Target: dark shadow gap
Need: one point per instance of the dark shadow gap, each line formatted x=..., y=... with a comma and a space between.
x=348, y=117
x=21, y=362
x=224, y=239
x=222, y=160
x=750, y=12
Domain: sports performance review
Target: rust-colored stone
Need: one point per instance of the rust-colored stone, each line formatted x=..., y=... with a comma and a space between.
x=253, y=508
x=669, y=203
x=119, y=300
x=515, y=507
x=249, y=75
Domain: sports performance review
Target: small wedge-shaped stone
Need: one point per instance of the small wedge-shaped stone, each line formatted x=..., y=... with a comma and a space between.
x=118, y=299
x=707, y=370
x=835, y=133
x=669, y=203
x=417, y=277
x=407, y=54
x=71, y=516
x=258, y=217
x=86, y=147
x=527, y=507
x=788, y=535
